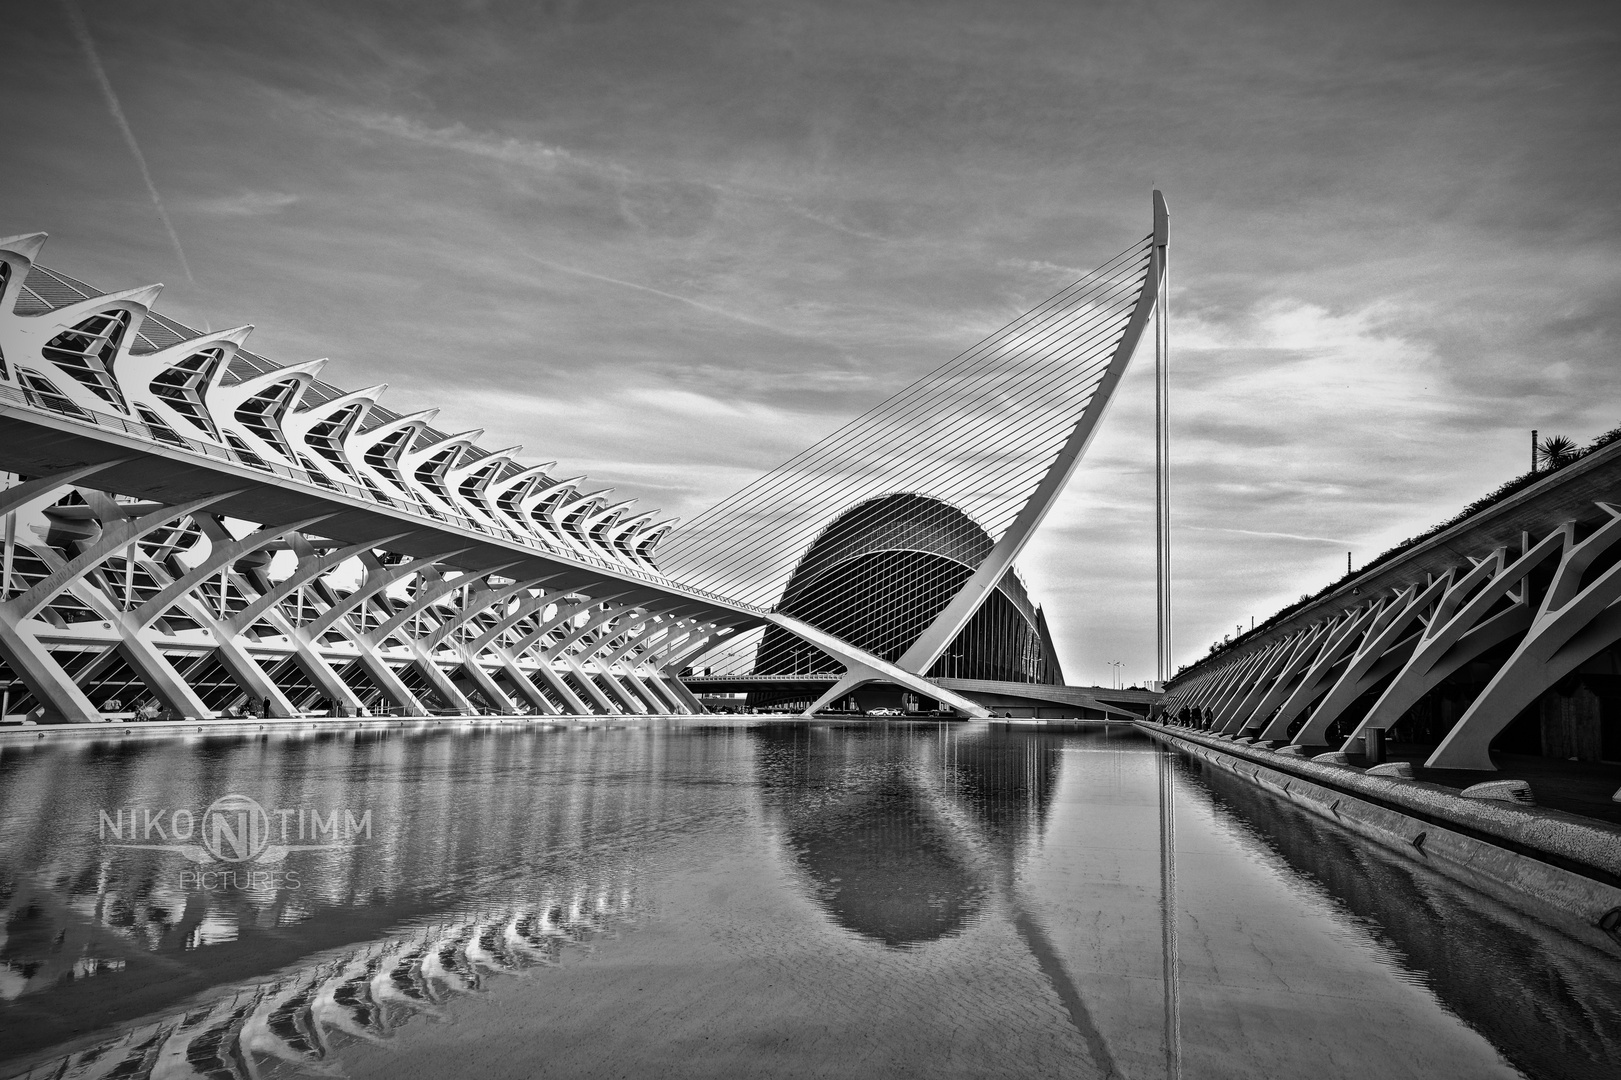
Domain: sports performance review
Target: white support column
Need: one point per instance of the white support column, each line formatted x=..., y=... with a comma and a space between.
x=310, y=567
x=677, y=690
x=431, y=587
x=1305, y=649
x=1242, y=709
x=115, y=536
x=592, y=690
x=1244, y=670
x=496, y=595
x=229, y=651
x=1254, y=665
x=137, y=648
x=537, y=637
x=1460, y=629
x=59, y=696
x=1320, y=674
x=1222, y=681
x=862, y=668
x=656, y=702
x=520, y=678
x=223, y=551
x=1388, y=645
x=607, y=613
x=1573, y=623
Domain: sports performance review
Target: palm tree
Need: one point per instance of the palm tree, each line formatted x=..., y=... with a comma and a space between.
x=1555, y=452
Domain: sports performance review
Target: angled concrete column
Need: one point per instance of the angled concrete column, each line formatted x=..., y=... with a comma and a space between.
x=310, y=660
x=377, y=578
x=673, y=686
x=1306, y=648
x=607, y=613
x=482, y=679
x=59, y=696
x=309, y=568
x=223, y=551
x=1260, y=662
x=1573, y=623
x=592, y=690
x=1242, y=711
x=1319, y=676
x=525, y=607
x=1222, y=682
x=1389, y=643
x=389, y=682
x=656, y=702
x=1246, y=670
x=495, y=596
x=434, y=586
x=631, y=702
x=143, y=656
x=571, y=701
x=594, y=653
x=521, y=684
x=114, y=539
x=242, y=666
x=1461, y=629
x=537, y=637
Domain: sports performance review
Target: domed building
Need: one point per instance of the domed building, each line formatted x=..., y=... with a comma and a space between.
x=881, y=572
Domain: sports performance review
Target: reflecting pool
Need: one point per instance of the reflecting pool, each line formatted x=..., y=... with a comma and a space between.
x=740, y=899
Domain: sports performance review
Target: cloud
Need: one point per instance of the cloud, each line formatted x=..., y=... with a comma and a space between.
x=81, y=31
x=245, y=204
x=1276, y=535
x=1389, y=262
x=698, y=304
x=463, y=139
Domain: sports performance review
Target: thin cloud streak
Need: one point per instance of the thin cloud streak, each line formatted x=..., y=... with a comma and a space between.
x=81, y=31
x=1279, y=535
x=700, y=305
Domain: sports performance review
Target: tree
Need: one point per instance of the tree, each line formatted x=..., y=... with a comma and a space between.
x=1555, y=452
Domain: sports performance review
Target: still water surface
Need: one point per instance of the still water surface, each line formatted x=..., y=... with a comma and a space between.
x=745, y=899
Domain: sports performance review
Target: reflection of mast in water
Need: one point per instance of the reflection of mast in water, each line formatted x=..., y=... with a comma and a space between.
x=997, y=835
x=366, y=994
x=1171, y=975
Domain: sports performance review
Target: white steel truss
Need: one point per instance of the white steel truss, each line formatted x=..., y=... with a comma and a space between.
x=194, y=530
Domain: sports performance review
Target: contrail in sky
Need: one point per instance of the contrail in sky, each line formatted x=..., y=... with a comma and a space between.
x=700, y=305
x=82, y=31
x=1280, y=535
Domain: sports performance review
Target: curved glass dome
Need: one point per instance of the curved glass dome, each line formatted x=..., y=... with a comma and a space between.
x=881, y=572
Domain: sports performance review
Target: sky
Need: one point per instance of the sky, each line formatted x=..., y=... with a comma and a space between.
x=669, y=244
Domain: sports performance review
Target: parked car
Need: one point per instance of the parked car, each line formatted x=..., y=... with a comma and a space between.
x=883, y=712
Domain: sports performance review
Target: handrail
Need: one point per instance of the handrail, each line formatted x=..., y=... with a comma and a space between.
x=64, y=408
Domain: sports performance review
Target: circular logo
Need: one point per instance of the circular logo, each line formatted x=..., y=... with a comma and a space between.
x=235, y=829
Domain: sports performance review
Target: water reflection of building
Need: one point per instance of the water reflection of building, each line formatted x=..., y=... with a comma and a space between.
x=96, y=931
x=902, y=839
x=305, y=1018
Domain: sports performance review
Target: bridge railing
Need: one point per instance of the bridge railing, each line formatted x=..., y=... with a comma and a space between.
x=62, y=407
